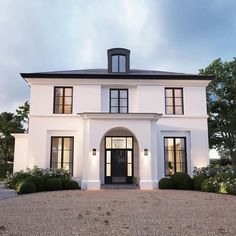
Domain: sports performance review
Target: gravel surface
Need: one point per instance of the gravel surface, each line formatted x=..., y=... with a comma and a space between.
x=119, y=212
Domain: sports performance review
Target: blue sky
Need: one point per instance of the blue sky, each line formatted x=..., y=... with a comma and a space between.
x=47, y=35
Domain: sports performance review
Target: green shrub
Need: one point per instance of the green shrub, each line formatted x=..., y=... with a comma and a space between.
x=27, y=187
x=17, y=179
x=69, y=184
x=166, y=183
x=182, y=181
x=207, y=185
x=38, y=181
x=231, y=186
x=53, y=184
x=197, y=181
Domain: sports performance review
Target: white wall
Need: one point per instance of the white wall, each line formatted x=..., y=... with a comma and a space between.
x=20, y=152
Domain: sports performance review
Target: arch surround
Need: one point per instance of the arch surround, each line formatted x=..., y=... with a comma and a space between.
x=119, y=132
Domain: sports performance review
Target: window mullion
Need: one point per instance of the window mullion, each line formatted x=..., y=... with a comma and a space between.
x=63, y=101
x=173, y=94
x=174, y=141
x=62, y=152
x=118, y=100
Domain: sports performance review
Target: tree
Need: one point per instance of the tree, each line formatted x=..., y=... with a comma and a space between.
x=9, y=123
x=221, y=102
x=23, y=114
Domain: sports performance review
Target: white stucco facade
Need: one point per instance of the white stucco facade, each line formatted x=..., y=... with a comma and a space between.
x=91, y=121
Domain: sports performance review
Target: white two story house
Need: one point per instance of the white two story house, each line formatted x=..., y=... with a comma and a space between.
x=116, y=125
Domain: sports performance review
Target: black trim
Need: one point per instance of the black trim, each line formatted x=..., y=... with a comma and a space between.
x=116, y=76
x=63, y=100
x=62, y=153
x=173, y=100
x=119, y=98
x=185, y=153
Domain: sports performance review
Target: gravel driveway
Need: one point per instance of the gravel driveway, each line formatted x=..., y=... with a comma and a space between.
x=119, y=212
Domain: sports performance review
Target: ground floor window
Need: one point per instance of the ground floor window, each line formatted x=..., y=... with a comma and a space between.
x=62, y=149
x=175, y=155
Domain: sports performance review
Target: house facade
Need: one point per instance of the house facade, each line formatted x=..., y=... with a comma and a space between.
x=115, y=125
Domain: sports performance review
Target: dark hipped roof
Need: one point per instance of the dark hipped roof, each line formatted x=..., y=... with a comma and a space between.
x=104, y=74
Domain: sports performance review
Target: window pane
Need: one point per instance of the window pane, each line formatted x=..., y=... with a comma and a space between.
x=114, y=109
x=67, y=109
x=66, y=166
x=178, y=93
x=114, y=93
x=123, y=94
x=56, y=144
x=58, y=109
x=115, y=63
x=178, y=110
x=58, y=100
x=169, y=101
x=129, y=142
x=169, y=110
x=178, y=101
x=122, y=63
x=180, y=144
x=123, y=102
x=68, y=143
x=58, y=91
x=68, y=91
x=108, y=142
x=114, y=102
x=123, y=110
x=68, y=100
x=169, y=93
x=56, y=156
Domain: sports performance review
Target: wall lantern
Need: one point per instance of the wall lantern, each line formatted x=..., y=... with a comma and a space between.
x=145, y=151
x=94, y=151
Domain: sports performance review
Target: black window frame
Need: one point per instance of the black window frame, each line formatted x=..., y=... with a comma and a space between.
x=63, y=100
x=62, y=152
x=185, y=153
x=173, y=100
x=118, y=55
x=119, y=106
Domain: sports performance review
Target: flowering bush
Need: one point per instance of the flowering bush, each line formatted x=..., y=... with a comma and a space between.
x=16, y=179
x=211, y=171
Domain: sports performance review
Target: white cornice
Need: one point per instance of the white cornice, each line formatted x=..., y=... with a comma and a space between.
x=120, y=116
x=184, y=116
x=129, y=82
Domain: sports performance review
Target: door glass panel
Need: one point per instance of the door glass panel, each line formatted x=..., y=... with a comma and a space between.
x=178, y=110
x=129, y=156
x=169, y=93
x=123, y=94
x=108, y=169
x=114, y=102
x=114, y=93
x=108, y=142
x=118, y=142
x=129, y=142
x=108, y=156
x=123, y=102
x=123, y=110
x=129, y=170
x=178, y=93
x=114, y=109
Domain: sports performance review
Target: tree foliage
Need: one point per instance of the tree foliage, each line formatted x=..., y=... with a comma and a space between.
x=221, y=102
x=12, y=123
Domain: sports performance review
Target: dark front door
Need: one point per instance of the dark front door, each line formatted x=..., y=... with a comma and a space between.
x=118, y=160
x=118, y=166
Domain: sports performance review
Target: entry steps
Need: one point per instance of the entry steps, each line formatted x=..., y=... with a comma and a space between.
x=119, y=186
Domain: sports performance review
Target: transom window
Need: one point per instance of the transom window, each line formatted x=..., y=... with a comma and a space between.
x=62, y=149
x=175, y=155
x=119, y=100
x=174, y=101
x=118, y=63
x=63, y=97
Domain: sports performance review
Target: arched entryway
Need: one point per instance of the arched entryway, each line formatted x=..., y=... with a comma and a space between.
x=119, y=157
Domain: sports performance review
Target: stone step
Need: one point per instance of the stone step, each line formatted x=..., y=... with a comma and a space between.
x=119, y=186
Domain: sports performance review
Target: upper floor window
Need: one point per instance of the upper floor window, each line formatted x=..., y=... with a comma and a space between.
x=118, y=63
x=63, y=100
x=175, y=155
x=118, y=60
x=119, y=100
x=174, y=101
